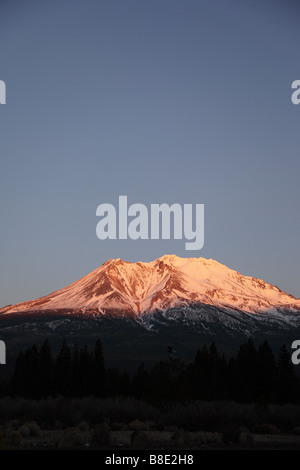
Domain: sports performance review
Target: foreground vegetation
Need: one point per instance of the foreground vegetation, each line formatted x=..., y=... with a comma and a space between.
x=71, y=401
x=130, y=423
x=252, y=376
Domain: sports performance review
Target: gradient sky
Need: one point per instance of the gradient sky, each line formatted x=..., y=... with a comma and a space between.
x=162, y=101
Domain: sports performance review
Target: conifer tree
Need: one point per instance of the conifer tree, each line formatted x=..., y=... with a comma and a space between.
x=46, y=371
x=288, y=386
x=63, y=371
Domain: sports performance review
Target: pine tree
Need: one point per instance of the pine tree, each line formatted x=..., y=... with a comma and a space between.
x=288, y=385
x=140, y=382
x=31, y=371
x=216, y=375
x=63, y=371
x=98, y=371
x=75, y=379
x=266, y=373
x=46, y=371
x=85, y=372
x=247, y=370
x=200, y=375
x=124, y=385
x=18, y=380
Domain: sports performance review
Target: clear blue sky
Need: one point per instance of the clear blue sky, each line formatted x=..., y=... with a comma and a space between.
x=162, y=101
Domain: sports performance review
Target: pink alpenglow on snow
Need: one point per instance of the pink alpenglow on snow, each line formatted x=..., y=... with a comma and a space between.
x=121, y=287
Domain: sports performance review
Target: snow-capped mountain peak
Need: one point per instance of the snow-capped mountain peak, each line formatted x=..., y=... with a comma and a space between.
x=122, y=287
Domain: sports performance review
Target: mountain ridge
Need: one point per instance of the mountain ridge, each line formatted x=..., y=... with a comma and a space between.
x=168, y=282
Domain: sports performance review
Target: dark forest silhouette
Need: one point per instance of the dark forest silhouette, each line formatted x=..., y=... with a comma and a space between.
x=252, y=376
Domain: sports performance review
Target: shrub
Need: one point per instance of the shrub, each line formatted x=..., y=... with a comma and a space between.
x=140, y=440
x=15, y=438
x=138, y=425
x=83, y=426
x=24, y=430
x=100, y=435
x=265, y=428
x=12, y=425
x=71, y=438
x=34, y=429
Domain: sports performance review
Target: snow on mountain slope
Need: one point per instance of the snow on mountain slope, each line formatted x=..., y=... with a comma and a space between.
x=167, y=282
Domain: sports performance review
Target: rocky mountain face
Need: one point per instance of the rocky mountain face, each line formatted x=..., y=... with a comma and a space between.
x=169, y=282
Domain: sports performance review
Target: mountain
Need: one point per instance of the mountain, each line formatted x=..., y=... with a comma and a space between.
x=138, y=309
x=136, y=289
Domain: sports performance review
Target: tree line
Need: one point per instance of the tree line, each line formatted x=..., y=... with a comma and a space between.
x=252, y=376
